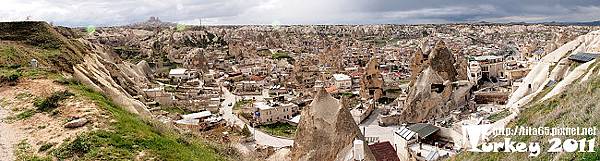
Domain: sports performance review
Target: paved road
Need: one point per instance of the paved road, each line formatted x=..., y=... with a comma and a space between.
x=261, y=137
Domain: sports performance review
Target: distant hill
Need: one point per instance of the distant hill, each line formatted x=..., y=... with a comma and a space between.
x=589, y=23
x=152, y=22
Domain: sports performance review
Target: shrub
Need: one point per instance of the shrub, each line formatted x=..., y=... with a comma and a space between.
x=46, y=147
x=23, y=152
x=10, y=76
x=25, y=114
x=11, y=66
x=44, y=40
x=280, y=55
x=67, y=81
x=80, y=145
x=49, y=103
x=246, y=131
x=13, y=77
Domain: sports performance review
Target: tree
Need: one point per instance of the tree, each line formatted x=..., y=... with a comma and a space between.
x=246, y=130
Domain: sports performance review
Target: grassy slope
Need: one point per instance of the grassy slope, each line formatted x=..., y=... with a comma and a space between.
x=130, y=135
x=23, y=41
x=576, y=107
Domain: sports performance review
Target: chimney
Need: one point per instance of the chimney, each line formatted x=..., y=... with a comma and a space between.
x=359, y=150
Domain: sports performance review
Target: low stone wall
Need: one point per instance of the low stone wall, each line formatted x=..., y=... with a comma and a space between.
x=491, y=97
x=248, y=93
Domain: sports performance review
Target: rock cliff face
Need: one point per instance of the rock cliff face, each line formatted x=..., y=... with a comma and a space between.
x=434, y=93
x=416, y=65
x=442, y=62
x=118, y=79
x=162, y=45
x=326, y=131
x=371, y=83
x=461, y=66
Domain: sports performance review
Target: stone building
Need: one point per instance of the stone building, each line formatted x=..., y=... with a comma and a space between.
x=342, y=82
x=272, y=113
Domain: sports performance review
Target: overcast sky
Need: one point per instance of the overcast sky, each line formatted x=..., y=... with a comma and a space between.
x=119, y=12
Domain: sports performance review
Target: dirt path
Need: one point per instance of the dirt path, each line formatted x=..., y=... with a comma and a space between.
x=8, y=137
x=40, y=128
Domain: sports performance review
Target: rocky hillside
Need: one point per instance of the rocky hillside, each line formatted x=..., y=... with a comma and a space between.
x=77, y=104
x=575, y=107
x=569, y=101
x=326, y=131
x=433, y=91
x=164, y=46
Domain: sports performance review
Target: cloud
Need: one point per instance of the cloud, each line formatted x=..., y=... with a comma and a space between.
x=119, y=12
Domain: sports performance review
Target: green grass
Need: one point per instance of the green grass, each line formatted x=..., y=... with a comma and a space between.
x=10, y=75
x=246, y=131
x=280, y=55
x=542, y=93
x=174, y=109
x=347, y=94
x=51, y=102
x=56, y=59
x=23, y=95
x=574, y=65
x=8, y=53
x=24, y=152
x=499, y=115
x=241, y=103
x=46, y=146
x=25, y=114
x=279, y=129
x=132, y=134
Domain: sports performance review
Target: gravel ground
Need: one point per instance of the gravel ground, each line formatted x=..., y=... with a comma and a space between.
x=8, y=137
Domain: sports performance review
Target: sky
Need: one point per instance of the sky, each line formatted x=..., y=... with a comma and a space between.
x=239, y=12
